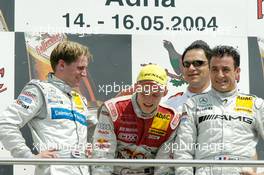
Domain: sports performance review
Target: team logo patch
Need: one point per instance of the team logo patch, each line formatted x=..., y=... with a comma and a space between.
x=62, y=113
x=184, y=117
x=244, y=104
x=29, y=94
x=161, y=121
x=22, y=104
x=112, y=110
x=126, y=153
x=203, y=100
x=54, y=99
x=175, y=121
x=102, y=143
x=153, y=137
x=77, y=101
x=226, y=157
x=104, y=132
x=25, y=99
x=128, y=137
x=157, y=131
x=104, y=126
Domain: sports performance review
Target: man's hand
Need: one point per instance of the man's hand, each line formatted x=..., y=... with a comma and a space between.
x=248, y=173
x=48, y=154
x=251, y=173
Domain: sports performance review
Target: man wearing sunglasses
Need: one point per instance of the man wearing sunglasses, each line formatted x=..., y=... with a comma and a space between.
x=222, y=124
x=195, y=70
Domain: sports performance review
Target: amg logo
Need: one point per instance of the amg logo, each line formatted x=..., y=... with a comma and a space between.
x=225, y=117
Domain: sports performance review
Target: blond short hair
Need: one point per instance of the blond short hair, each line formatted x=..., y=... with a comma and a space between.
x=68, y=51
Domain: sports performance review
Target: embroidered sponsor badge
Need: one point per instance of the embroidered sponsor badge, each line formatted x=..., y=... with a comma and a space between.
x=102, y=143
x=184, y=117
x=75, y=154
x=25, y=99
x=104, y=126
x=53, y=98
x=153, y=137
x=161, y=121
x=128, y=137
x=77, y=100
x=22, y=104
x=160, y=124
x=175, y=121
x=112, y=110
x=244, y=104
x=29, y=94
x=62, y=113
x=157, y=131
x=104, y=132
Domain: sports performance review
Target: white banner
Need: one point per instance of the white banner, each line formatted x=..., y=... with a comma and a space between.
x=133, y=16
x=7, y=69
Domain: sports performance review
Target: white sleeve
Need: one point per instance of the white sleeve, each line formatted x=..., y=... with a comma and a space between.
x=185, y=139
x=166, y=152
x=259, y=115
x=104, y=142
x=15, y=116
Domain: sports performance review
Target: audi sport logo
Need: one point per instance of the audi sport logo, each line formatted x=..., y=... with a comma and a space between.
x=127, y=137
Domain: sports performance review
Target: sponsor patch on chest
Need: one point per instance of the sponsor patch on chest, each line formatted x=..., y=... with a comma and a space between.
x=77, y=101
x=244, y=104
x=160, y=124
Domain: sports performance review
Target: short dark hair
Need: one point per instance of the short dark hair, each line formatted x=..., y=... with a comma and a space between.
x=199, y=44
x=68, y=51
x=221, y=51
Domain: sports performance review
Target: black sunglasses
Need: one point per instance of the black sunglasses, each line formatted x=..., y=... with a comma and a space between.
x=195, y=63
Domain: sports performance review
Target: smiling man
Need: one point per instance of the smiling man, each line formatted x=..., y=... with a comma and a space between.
x=55, y=112
x=195, y=69
x=223, y=123
x=136, y=126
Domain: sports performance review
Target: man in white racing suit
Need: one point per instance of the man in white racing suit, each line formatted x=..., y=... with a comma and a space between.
x=195, y=69
x=55, y=112
x=136, y=126
x=222, y=124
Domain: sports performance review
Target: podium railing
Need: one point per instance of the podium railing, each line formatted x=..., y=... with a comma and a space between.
x=134, y=162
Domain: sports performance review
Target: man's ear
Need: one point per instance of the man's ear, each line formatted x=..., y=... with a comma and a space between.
x=165, y=92
x=61, y=65
x=237, y=76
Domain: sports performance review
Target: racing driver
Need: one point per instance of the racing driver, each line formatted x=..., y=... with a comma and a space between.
x=136, y=126
x=56, y=113
x=222, y=124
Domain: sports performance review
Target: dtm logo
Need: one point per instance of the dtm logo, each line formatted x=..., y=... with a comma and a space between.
x=260, y=9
